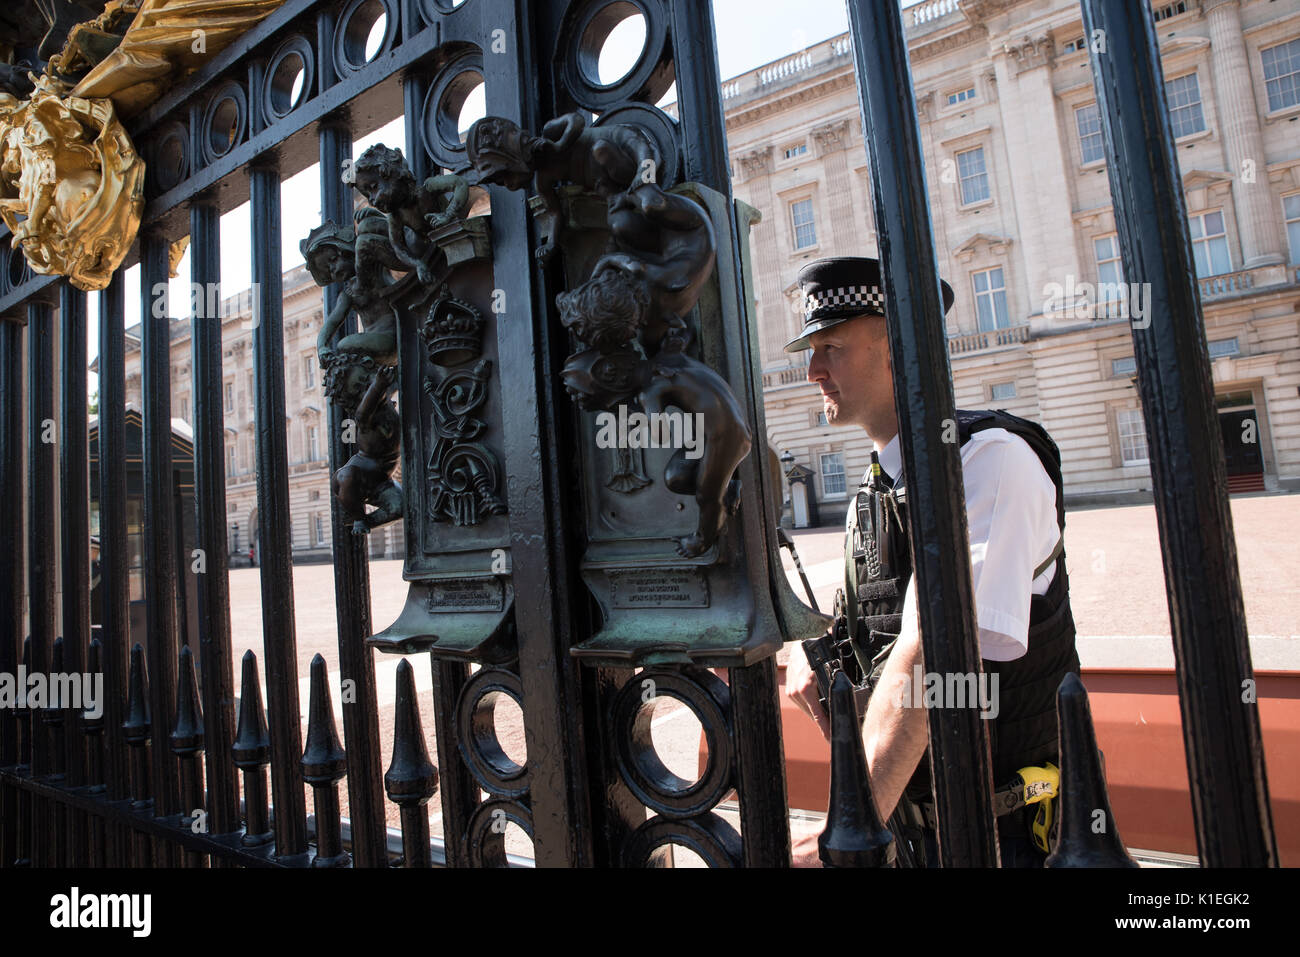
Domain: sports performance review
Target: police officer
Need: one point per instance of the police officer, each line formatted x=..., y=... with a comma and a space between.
x=1015, y=514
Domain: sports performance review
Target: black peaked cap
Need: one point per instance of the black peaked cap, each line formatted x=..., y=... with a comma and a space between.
x=843, y=287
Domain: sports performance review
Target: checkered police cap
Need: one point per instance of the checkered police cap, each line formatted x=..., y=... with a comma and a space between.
x=841, y=288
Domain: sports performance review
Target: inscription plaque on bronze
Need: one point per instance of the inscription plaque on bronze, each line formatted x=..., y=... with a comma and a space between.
x=465, y=594
x=659, y=588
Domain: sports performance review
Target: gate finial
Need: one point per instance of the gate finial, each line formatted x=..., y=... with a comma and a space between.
x=1088, y=837
x=252, y=753
x=324, y=762
x=411, y=779
x=854, y=836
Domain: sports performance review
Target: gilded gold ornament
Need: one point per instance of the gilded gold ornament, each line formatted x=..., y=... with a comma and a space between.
x=71, y=184
x=168, y=39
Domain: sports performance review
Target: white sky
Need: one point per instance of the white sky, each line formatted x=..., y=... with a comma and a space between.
x=750, y=33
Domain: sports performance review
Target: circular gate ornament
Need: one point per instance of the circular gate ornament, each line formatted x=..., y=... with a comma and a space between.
x=639, y=763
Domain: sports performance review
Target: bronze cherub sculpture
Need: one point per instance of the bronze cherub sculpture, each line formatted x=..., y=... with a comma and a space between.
x=604, y=160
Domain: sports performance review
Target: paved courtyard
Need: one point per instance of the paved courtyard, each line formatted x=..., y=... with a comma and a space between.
x=1116, y=585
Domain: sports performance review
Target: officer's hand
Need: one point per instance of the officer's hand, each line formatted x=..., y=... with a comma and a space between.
x=803, y=845
x=801, y=688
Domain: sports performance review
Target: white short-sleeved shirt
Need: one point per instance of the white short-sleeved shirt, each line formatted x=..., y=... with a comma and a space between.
x=1011, y=515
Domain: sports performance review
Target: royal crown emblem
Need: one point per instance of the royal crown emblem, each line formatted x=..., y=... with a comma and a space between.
x=453, y=331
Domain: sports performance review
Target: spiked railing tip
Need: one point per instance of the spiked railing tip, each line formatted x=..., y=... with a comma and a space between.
x=252, y=747
x=187, y=737
x=1088, y=835
x=136, y=724
x=323, y=758
x=95, y=666
x=411, y=778
x=854, y=835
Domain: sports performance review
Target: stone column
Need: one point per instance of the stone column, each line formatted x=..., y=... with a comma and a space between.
x=1258, y=222
x=774, y=322
x=1039, y=183
x=830, y=139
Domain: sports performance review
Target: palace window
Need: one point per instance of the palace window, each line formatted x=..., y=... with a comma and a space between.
x=795, y=149
x=961, y=96
x=308, y=372
x=1223, y=347
x=832, y=473
x=230, y=460
x=1169, y=10
x=1132, y=436
x=1210, y=243
x=1110, y=269
x=1291, y=211
x=1184, y=96
x=1000, y=391
x=1088, y=121
x=230, y=397
x=991, y=299
x=973, y=175
x=313, y=450
x=1124, y=366
x=1282, y=74
x=805, y=230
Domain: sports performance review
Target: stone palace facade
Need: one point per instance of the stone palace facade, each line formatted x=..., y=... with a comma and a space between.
x=1024, y=228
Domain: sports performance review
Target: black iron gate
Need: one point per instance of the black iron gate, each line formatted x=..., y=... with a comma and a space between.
x=134, y=786
x=551, y=575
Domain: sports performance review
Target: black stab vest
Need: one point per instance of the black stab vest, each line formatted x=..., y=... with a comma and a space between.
x=1024, y=733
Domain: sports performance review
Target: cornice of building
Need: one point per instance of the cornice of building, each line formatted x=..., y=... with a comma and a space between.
x=791, y=96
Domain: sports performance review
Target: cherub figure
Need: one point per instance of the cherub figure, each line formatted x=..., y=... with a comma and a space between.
x=413, y=209
x=362, y=388
x=606, y=314
x=604, y=160
x=336, y=253
x=667, y=241
x=600, y=381
x=608, y=311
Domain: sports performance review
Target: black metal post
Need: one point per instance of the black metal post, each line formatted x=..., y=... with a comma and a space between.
x=961, y=765
x=136, y=730
x=94, y=730
x=1221, y=730
x=74, y=527
x=187, y=743
x=26, y=824
x=114, y=556
x=57, y=835
x=275, y=532
x=11, y=564
x=543, y=562
x=161, y=541
x=352, y=568
x=210, y=503
x=765, y=827
x=41, y=510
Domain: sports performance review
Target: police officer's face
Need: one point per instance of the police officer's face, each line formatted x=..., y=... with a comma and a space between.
x=850, y=362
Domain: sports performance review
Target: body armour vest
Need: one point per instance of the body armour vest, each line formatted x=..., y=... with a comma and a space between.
x=877, y=572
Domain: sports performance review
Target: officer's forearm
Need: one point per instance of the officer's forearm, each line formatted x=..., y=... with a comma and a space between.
x=895, y=733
